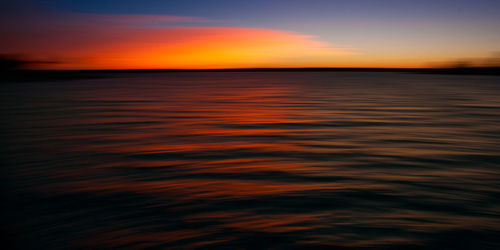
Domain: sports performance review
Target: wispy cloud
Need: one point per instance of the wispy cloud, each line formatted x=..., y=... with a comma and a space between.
x=156, y=41
x=136, y=19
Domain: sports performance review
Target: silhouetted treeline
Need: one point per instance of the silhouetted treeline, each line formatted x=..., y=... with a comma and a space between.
x=51, y=75
x=11, y=62
x=15, y=68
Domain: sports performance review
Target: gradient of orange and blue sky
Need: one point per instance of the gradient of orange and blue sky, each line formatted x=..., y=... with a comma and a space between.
x=106, y=34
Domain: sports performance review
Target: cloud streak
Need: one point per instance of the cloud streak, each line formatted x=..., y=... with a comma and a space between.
x=135, y=19
x=89, y=41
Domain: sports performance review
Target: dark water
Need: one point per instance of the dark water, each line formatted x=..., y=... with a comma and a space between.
x=253, y=160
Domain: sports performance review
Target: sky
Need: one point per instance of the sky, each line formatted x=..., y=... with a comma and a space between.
x=192, y=34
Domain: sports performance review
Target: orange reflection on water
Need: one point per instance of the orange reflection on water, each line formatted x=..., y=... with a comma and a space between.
x=209, y=159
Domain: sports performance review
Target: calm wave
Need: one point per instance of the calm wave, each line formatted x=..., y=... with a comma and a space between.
x=254, y=160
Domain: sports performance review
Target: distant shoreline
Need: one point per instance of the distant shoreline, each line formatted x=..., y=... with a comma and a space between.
x=47, y=75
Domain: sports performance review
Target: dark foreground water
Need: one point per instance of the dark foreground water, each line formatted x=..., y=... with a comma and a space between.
x=253, y=160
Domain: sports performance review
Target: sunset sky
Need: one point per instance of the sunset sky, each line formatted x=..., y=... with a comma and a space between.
x=187, y=34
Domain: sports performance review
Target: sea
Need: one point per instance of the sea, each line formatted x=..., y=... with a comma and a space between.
x=252, y=160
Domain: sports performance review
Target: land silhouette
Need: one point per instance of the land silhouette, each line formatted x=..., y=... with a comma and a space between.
x=18, y=68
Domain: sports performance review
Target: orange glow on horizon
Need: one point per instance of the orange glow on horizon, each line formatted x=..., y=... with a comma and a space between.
x=123, y=42
x=209, y=47
x=98, y=41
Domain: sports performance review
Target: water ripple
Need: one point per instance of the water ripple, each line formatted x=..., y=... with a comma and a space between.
x=254, y=160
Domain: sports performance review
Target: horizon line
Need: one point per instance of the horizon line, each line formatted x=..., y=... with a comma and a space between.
x=275, y=69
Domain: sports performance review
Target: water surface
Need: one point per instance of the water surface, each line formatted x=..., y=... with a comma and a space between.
x=253, y=160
